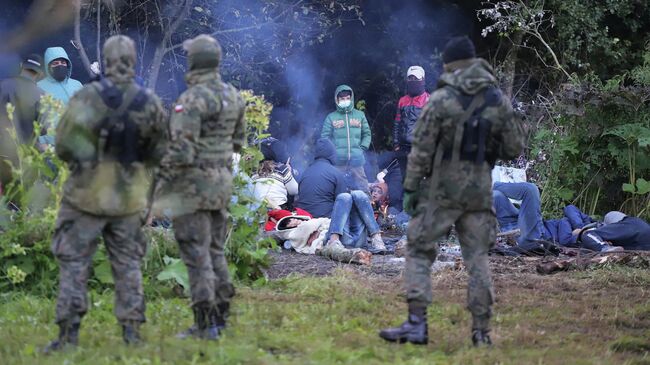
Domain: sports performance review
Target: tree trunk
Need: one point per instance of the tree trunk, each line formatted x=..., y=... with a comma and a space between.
x=163, y=47
x=77, y=37
x=510, y=64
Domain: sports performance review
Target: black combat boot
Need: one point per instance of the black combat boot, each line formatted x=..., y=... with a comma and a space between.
x=481, y=338
x=131, y=333
x=221, y=316
x=413, y=330
x=208, y=329
x=68, y=337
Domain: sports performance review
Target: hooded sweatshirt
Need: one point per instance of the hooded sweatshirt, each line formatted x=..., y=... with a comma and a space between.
x=348, y=129
x=63, y=90
x=321, y=182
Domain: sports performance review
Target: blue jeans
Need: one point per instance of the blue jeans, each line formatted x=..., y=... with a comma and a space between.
x=353, y=219
x=528, y=217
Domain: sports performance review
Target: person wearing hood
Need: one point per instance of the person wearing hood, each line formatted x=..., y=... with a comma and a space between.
x=57, y=83
x=617, y=232
x=109, y=135
x=409, y=108
x=348, y=129
x=466, y=125
x=323, y=192
x=206, y=127
x=23, y=93
x=58, y=71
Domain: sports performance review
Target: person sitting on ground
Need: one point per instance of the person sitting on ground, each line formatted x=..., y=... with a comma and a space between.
x=274, y=183
x=348, y=129
x=618, y=231
x=324, y=193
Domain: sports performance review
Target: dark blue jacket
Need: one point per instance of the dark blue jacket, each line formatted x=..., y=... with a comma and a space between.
x=321, y=182
x=631, y=233
x=560, y=230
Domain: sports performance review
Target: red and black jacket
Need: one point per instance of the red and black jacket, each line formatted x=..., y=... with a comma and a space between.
x=408, y=111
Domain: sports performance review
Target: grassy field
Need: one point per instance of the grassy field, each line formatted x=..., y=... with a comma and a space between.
x=588, y=317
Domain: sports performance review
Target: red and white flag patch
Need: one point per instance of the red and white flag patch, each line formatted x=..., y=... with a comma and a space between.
x=178, y=108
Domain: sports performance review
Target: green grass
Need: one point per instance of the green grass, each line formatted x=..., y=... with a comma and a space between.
x=592, y=317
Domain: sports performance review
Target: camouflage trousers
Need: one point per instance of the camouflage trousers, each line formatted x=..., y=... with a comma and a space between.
x=476, y=232
x=76, y=238
x=201, y=238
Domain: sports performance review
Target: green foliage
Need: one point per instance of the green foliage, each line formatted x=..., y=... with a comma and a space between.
x=246, y=252
x=597, y=148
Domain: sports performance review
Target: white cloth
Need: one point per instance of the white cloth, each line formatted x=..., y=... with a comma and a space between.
x=275, y=189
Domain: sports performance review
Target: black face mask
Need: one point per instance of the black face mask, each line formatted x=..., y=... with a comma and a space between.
x=415, y=87
x=59, y=73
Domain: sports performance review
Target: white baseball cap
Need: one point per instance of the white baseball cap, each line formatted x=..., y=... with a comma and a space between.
x=416, y=71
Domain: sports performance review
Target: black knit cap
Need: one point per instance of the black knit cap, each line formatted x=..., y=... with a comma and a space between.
x=458, y=48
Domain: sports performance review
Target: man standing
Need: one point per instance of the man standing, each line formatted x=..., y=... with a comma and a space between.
x=23, y=93
x=464, y=128
x=207, y=126
x=409, y=109
x=110, y=133
x=348, y=129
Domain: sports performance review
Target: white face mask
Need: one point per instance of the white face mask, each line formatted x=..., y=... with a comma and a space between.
x=344, y=103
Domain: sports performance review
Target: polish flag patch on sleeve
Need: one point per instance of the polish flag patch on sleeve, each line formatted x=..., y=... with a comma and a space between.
x=179, y=108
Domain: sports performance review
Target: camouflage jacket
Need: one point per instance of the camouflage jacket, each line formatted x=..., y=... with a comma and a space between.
x=206, y=126
x=105, y=186
x=465, y=184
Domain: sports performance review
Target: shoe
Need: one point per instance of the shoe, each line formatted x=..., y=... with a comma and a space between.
x=68, y=337
x=481, y=338
x=222, y=316
x=131, y=334
x=192, y=331
x=608, y=248
x=377, y=245
x=413, y=330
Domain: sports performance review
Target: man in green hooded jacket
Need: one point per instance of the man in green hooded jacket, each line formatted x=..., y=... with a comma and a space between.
x=466, y=125
x=348, y=129
x=206, y=127
x=111, y=131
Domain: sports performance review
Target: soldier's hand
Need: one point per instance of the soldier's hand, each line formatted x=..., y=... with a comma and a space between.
x=410, y=202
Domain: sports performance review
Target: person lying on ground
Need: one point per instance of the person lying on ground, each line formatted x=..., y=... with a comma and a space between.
x=535, y=232
x=618, y=231
x=307, y=235
x=324, y=193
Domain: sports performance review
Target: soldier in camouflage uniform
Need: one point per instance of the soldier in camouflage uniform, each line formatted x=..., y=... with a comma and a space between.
x=466, y=125
x=109, y=134
x=206, y=126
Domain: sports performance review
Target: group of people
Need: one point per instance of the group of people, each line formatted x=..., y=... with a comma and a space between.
x=113, y=131
x=112, y=134
x=37, y=76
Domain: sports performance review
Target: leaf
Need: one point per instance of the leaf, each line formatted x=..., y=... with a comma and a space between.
x=629, y=188
x=642, y=186
x=103, y=272
x=175, y=270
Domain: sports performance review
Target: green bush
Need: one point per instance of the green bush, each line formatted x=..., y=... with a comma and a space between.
x=596, y=146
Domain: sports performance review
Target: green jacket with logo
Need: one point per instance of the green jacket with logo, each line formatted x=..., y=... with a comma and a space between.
x=348, y=129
